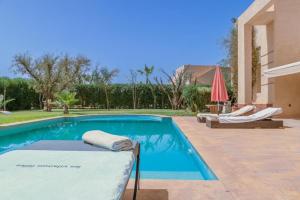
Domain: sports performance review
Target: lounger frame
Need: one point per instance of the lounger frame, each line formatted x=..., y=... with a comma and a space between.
x=264, y=124
x=71, y=145
x=201, y=119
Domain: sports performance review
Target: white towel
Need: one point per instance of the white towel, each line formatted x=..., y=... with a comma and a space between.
x=108, y=141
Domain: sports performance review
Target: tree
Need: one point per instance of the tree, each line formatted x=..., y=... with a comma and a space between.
x=231, y=45
x=153, y=92
x=103, y=76
x=4, y=82
x=133, y=84
x=51, y=74
x=66, y=100
x=147, y=71
x=177, y=82
x=4, y=102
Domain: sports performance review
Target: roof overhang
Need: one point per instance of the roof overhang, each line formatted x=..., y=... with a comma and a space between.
x=284, y=70
x=260, y=12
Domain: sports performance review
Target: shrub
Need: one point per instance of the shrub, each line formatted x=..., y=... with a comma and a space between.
x=25, y=96
x=196, y=97
x=121, y=96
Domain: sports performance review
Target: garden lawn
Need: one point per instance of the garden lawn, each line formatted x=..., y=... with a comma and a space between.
x=20, y=116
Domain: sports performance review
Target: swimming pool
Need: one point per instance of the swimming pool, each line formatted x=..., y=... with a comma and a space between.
x=165, y=152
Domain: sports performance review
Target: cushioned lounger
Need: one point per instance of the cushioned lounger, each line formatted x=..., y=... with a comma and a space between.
x=261, y=119
x=242, y=111
x=63, y=170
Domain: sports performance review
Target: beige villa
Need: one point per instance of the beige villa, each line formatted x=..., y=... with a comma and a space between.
x=277, y=29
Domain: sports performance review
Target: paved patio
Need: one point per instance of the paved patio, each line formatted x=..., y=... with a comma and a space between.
x=250, y=164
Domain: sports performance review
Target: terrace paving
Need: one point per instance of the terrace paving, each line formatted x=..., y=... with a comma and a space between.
x=251, y=164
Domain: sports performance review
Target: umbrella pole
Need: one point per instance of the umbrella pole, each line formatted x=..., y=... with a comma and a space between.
x=218, y=107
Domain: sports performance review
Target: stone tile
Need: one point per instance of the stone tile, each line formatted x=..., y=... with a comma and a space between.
x=252, y=164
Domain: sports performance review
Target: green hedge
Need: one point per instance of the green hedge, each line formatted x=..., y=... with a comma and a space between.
x=196, y=97
x=20, y=90
x=120, y=96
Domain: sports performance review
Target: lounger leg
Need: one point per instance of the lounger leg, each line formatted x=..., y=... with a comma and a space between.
x=137, y=174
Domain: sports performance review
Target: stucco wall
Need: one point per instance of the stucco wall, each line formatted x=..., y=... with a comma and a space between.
x=287, y=50
x=264, y=40
x=287, y=95
x=287, y=32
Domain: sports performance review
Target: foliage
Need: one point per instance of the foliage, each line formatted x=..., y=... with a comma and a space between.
x=154, y=94
x=177, y=81
x=24, y=95
x=4, y=102
x=231, y=45
x=133, y=84
x=51, y=74
x=231, y=95
x=66, y=100
x=255, y=62
x=147, y=71
x=4, y=83
x=103, y=77
x=90, y=95
x=196, y=97
x=121, y=96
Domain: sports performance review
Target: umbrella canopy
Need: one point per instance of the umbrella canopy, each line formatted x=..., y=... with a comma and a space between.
x=218, y=90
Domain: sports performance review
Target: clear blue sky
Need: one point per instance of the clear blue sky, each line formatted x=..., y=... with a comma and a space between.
x=124, y=34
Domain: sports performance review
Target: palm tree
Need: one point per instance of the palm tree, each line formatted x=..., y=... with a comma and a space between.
x=4, y=102
x=66, y=100
x=104, y=76
x=147, y=71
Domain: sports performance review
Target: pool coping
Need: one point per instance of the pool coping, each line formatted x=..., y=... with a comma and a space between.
x=7, y=125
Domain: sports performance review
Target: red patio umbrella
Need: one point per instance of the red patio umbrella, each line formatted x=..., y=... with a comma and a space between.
x=218, y=89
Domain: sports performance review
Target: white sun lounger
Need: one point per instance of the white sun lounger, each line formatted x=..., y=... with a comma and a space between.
x=261, y=119
x=62, y=170
x=242, y=111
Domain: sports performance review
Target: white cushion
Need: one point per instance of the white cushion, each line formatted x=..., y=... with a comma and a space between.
x=263, y=114
x=64, y=175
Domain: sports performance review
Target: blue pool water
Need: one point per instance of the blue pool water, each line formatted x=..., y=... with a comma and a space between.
x=165, y=152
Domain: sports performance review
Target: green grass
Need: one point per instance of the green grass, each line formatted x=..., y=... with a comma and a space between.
x=21, y=116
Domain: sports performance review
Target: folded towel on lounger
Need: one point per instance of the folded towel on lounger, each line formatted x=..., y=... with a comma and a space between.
x=108, y=141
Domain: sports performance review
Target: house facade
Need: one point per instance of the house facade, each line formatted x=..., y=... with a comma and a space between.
x=203, y=74
x=276, y=81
